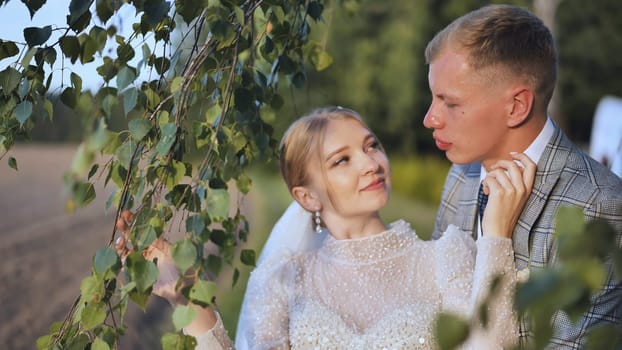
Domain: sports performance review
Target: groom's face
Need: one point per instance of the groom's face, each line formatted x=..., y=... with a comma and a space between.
x=468, y=109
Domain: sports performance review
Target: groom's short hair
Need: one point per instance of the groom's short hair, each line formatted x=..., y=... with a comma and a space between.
x=508, y=39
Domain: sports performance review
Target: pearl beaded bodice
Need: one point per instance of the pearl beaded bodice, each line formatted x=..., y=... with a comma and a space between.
x=378, y=292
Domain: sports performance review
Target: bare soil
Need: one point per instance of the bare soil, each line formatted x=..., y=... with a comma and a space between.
x=45, y=252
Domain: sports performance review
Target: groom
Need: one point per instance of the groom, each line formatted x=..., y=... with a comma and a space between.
x=492, y=74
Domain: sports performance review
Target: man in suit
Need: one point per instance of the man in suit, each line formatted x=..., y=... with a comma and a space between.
x=492, y=73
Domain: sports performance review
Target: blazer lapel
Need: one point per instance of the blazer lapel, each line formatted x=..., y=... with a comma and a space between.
x=549, y=169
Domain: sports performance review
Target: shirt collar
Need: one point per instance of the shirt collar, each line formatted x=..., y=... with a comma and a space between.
x=536, y=148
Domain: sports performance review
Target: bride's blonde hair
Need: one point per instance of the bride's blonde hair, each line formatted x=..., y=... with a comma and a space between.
x=304, y=138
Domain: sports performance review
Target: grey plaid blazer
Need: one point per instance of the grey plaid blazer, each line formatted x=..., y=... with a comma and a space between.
x=565, y=176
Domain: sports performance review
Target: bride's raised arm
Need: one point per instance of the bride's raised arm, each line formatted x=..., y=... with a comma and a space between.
x=466, y=269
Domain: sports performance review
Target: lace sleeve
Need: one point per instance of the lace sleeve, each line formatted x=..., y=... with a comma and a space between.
x=215, y=338
x=264, y=317
x=465, y=273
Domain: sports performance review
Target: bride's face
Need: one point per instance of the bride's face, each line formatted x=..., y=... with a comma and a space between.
x=352, y=175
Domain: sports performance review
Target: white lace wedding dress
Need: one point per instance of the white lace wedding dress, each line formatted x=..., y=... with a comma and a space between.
x=379, y=292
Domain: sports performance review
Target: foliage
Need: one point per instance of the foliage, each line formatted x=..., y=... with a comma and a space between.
x=419, y=177
x=586, y=74
x=587, y=253
x=194, y=78
x=379, y=68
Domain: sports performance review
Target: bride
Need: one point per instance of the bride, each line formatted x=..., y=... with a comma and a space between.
x=334, y=275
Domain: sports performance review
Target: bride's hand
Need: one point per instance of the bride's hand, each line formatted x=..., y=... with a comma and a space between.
x=159, y=251
x=508, y=185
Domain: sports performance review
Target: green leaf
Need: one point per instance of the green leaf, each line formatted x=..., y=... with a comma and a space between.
x=139, y=128
x=124, y=153
x=125, y=77
x=202, y=292
x=106, y=259
x=82, y=161
x=8, y=49
x=247, y=257
x=176, y=341
x=70, y=46
x=105, y=9
x=92, y=316
x=169, y=134
x=323, y=61
x=125, y=52
x=88, y=47
x=144, y=273
x=83, y=193
x=99, y=344
x=13, y=163
x=184, y=254
x=130, y=98
x=450, y=331
x=69, y=97
x=212, y=114
x=92, y=289
x=195, y=224
x=77, y=9
x=162, y=64
x=36, y=36
x=23, y=111
x=183, y=316
x=155, y=11
x=315, y=9
x=569, y=220
x=9, y=80
x=218, y=203
x=33, y=6
x=176, y=84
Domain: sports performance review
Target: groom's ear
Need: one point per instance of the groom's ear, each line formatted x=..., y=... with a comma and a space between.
x=522, y=105
x=306, y=198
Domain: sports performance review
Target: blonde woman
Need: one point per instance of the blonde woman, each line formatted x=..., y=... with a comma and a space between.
x=365, y=284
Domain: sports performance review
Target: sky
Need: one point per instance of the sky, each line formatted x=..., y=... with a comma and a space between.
x=14, y=17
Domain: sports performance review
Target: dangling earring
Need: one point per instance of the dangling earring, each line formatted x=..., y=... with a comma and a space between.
x=318, y=228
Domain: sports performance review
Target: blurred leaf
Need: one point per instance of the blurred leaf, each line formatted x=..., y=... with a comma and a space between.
x=202, y=292
x=155, y=11
x=176, y=341
x=83, y=193
x=23, y=111
x=569, y=220
x=125, y=77
x=139, y=128
x=247, y=257
x=9, y=80
x=13, y=163
x=99, y=344
x=70, y=46
x=82, y=160
x=142, y=272
x=218, y=203
x=92, y=289
x=7, y=49
x=77, y=9
x=92, y=316
x=130, y=98
x=105, y=9
x=105, y=260
x=195, y=224
x=36, y=36
x=185, y=254
x=169, y=133
x=33, y=6
x=450, y=331
x=183, y=316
